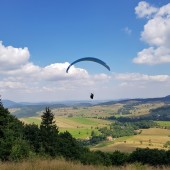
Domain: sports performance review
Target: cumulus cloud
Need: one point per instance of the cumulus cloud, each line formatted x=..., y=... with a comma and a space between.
x=19, y=76
x=25, y=81
x=156, y=34
x=144, y=9
x=11, y=57
x=153, y=56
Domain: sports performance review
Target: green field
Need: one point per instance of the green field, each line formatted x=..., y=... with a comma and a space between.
x=163, y=123
x=79, y=127
x=80, y=133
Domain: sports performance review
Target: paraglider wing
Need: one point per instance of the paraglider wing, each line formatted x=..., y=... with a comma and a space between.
x=89, y=59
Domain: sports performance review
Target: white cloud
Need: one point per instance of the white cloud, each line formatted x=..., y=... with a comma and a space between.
x=156, y=34
x=157, y=31
x=144, y=9
x=101, y=77
x=153, y=56
x=137, y=85
x=11, y=85
x=11, y=57
x=29, y=82
x=141, y=77
x=22, y=78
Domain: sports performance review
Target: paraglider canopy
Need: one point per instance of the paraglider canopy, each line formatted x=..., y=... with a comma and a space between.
x=89, y=59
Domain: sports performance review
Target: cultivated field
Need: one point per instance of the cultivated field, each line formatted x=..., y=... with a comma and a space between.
x=144, y=108
x=79, y=127
x=165, y=124
x=151, y=138
x=100, y=111
x=93, y=111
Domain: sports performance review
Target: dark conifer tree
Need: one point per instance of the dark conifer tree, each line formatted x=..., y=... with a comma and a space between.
x=49, y=132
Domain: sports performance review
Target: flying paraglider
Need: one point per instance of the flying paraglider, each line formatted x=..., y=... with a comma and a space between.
x=89, y=59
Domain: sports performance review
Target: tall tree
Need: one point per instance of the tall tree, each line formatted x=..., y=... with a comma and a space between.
x=49, y=132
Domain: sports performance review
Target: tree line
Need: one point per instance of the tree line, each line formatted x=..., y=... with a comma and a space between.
x=20, y=141
x=119, y=129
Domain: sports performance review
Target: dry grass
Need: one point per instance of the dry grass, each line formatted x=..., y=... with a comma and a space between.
x=64, y=165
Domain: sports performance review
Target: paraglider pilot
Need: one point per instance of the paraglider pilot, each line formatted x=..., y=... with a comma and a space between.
x=91, y=95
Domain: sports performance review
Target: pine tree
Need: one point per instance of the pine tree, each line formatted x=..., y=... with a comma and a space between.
x=49, y=132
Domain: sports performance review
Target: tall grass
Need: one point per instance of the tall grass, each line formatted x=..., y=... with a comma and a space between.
x=59, y=164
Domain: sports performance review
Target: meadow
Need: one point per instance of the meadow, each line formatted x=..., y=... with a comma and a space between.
x=79, y=127
x=90, y=112
x=143, y=109
x=151, y=138
x=165, y=124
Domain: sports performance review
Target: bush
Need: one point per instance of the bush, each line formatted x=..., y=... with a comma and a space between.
x=150, y=156
x=119, y=158
x=20, y=150
x=95, y=158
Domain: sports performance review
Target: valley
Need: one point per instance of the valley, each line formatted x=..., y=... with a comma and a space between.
x=82, y=121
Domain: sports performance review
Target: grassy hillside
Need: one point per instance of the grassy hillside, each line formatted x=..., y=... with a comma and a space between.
x=151, y=138
x=102, y=111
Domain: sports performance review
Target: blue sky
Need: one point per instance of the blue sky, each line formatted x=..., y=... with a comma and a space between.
x=51, y=34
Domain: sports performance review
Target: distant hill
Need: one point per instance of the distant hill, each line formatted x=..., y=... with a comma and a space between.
x=10, y=104
x=26, y=109
x=31, y=109
x=165, y=99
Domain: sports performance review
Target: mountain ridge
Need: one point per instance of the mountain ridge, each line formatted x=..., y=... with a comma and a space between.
x=11, y=104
